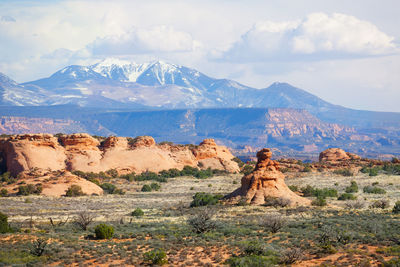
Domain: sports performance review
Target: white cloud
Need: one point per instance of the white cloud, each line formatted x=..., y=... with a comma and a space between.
x=139, y=41
x=317, y=37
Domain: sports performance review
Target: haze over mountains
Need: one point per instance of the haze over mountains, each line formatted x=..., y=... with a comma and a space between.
x=124, y=98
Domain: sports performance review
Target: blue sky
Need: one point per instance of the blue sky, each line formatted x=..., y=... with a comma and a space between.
x=346, y=52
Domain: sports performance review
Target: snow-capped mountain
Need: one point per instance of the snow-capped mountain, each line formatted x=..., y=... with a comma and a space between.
x=13, y=94
x=123, y=84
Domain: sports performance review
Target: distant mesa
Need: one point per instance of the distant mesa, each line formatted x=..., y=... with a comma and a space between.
x=266, y=181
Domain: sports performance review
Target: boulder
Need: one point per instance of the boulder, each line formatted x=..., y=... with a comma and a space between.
x=264, y=182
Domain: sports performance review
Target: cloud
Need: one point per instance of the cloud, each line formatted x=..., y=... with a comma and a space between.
x=317, y=37
x=140, y=41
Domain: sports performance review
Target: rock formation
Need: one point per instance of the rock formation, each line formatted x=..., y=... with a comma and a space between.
x=266, y=181
x=335, y=155
x=86, y=153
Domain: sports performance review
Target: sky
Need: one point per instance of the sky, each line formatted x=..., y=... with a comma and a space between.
x=346, y=52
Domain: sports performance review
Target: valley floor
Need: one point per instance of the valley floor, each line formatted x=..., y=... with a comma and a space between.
x=339, y=234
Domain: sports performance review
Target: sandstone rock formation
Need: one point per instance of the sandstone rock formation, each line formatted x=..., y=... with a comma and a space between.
x=55, y=184
x=336, y=154
x=266, y=181
x=85, y=153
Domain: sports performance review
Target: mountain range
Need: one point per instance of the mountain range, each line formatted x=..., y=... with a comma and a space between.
x=104, y=94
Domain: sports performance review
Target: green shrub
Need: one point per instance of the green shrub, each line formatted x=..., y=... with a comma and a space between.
x=343, y=172
x=247, y=169
x=112, y=172
x=25, y=190
x=3, y=192
x=310, y=191
x=373, y=172
x=373, y=190
x=111, y=189
x=155, y=257
x=396, y=208
x=155, y=186
x=138, y=212
x=238, y=161
x=252, y=260
x=74, y=191
x=205, y=199
x=353, y=188
x=347, y=196
x=319, y=201
x=146, y=188
x=294, y=188
x=4, y=227
x=104, y=231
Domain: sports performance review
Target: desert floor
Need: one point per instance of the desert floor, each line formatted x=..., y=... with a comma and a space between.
x=339, y=234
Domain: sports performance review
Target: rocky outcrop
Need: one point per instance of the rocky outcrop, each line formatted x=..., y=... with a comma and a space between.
x=85, y=153
x=54, y=184
x=336, y=154
x=264, y=182
x=208, y=151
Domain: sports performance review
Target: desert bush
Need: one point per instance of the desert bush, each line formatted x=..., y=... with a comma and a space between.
x=396, y=208
x=394, y=262
x=83, y=219
x=319, y=201
x=155, y=186
x=380, y=204
x=354, y=204
x=373, y=190
x=3, y=192
x=343, y=172
x=74, y=191
x=291, y=255
x=252, y=260
x=307, y=168
x=255, y=247
x=243, y=202
x=255, y=253
x=272, y=223
x=4, y=226
x=112, y=172
x=247, y=169
x=25, y=190
x=373, y=172
x=138, y=212
x=7, y=178
x=353, y=188
x=294, y=188
x=310, y=191
x=38, y=247
x=155, y=257
x=205, y=199
x=238, y=161
x=111, y=189
x=277, y=202
x=203, y=221
x=104, y=231
x=347, y=196
x=146, y=188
